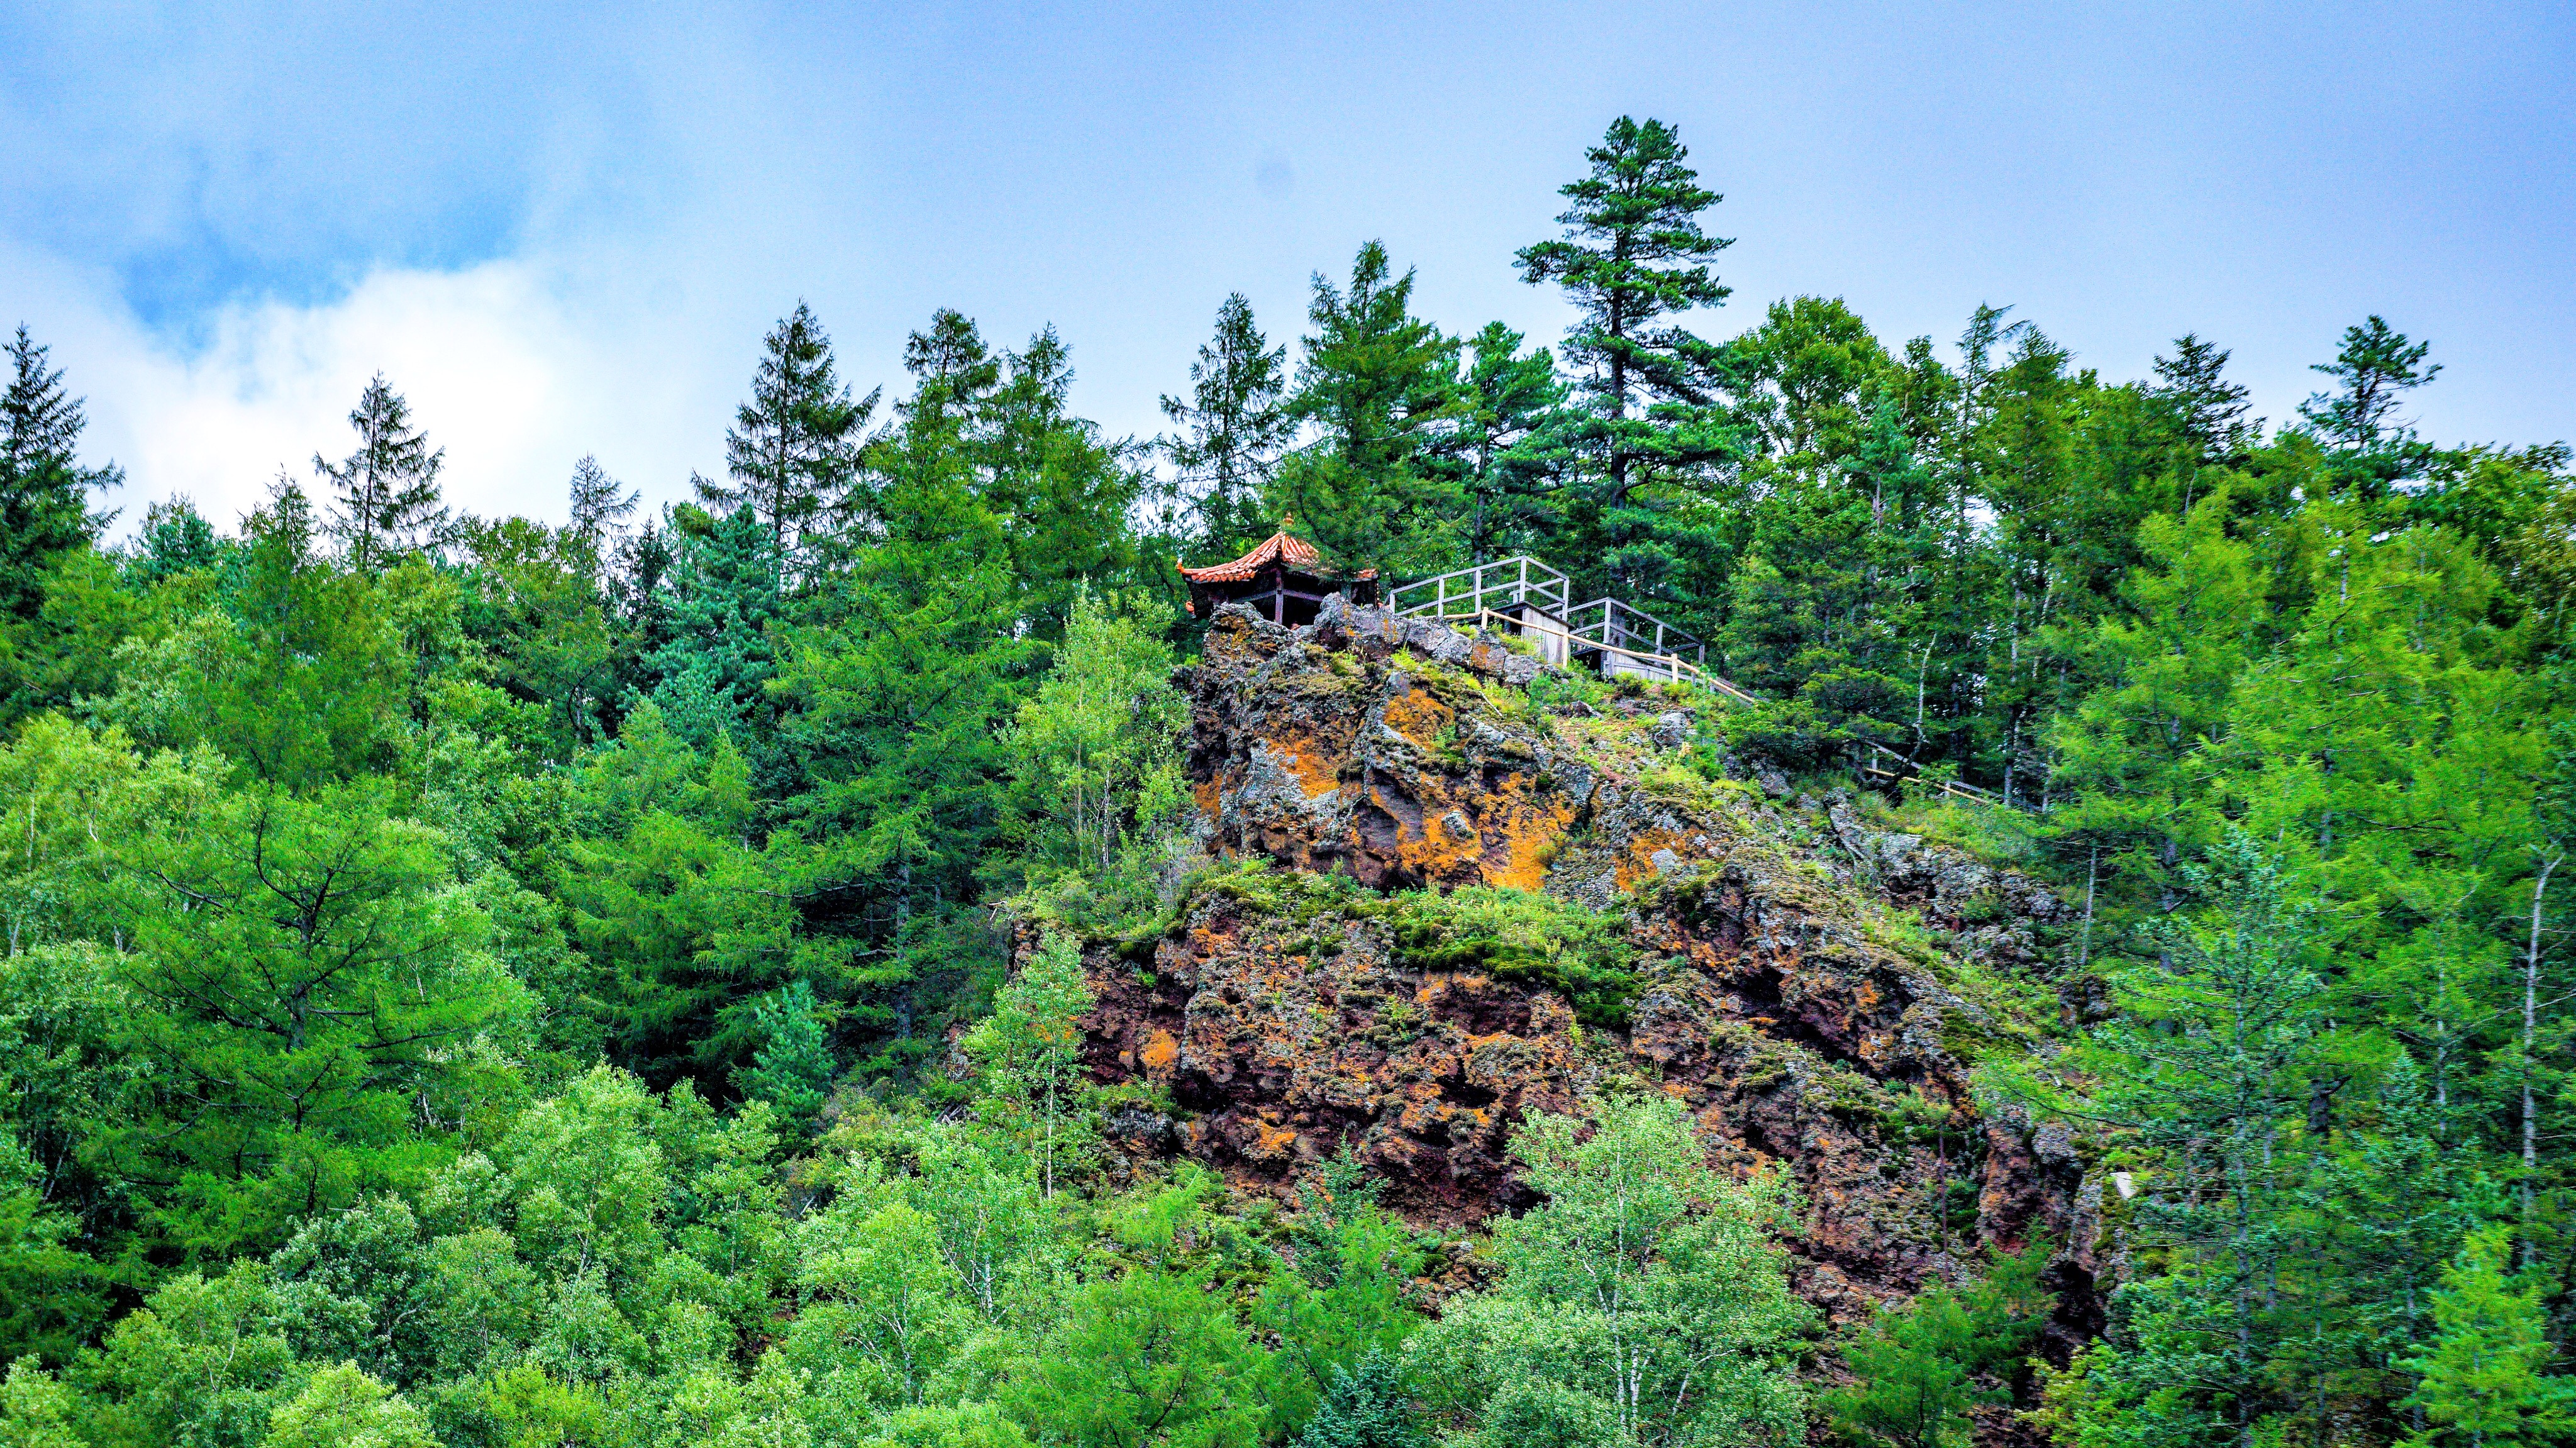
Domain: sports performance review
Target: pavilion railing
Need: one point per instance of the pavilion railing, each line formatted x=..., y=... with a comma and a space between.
x=1488, y=587
x=1608, y=623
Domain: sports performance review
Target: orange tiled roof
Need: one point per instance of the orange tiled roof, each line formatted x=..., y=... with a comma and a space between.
x=1290, y=552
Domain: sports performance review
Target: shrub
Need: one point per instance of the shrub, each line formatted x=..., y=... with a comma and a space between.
x=1518, y=936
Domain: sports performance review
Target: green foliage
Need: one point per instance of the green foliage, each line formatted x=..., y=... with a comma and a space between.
x=1345, y=1308
x=314, y=981
x=477, y=981
x=1031, y=1052
x=1148, y=1358
x=1642, y=1272
x=792, y=453
x=1095, y=751
x=2485, y=1374
x=1380, y=387
x=1917, y=1369
x=1632, y=255
x=342, y=1407
x=793, y=1069
x=1233, y=429
x=1520, y=936
x=2211, y=1064
x=383, y=497
x=44, y=512
x=1366, y=1408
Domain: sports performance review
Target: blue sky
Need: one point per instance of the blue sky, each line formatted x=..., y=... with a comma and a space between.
x=562, y=230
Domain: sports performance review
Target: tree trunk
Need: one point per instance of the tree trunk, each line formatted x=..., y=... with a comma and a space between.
x=2530, y=1030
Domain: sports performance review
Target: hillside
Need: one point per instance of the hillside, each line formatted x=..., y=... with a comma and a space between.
x=1454, y=902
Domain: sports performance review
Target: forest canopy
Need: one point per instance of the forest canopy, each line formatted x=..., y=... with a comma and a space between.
x=505, y=982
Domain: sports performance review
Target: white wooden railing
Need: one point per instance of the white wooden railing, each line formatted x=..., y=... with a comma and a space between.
x=1608, y=623
x=1522, y=595
x=1509, y=583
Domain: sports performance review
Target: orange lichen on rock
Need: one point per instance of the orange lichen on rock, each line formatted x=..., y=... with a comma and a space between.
x=1639, y=859
x=1369, y=761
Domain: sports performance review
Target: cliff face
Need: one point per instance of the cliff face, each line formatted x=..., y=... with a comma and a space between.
x=1816, y=990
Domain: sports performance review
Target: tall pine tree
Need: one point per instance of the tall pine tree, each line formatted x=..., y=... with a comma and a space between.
x=791, y=456
x=1380, y=388
x=1633, y=255
x=43, y=509
x=1233, y=428
x=384, y=494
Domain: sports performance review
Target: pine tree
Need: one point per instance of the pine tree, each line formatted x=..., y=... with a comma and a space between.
x=711, y=674
x=2208, y=409
x=175, y=539
x=385, y=499
x=2378, y=365
x=1233, y=428
x=2486, y=1383
x=891, y=688
x=954, y=366
x=42, y=507
x=2212, y=1067
x=1366, y=1407
x=1510, y=449
x=792, y=453
x=1380, y=387
x=794, y=1068
x=600, y=506
x=1633, y=255
x=1061, y=491
x=1919, y=1369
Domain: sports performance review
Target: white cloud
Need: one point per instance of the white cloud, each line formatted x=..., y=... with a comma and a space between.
x=512, y=366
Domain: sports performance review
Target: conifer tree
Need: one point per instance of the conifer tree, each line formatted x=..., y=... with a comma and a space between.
x=42, y=484
x=719, y=656
x=954, y=366
x=891, y=689
x=1366, y=1407
x=2377, y=366
x=794, y=1068
x=1510, y=448
x=175, y=539
x=1233, y=428
x=1060, y=490
x=1918, y=1369
x=2208, y=409
x=384, y=494
x=1633, y=255
x=600, y=506
x=2486, y=1382
x=1380, y=388
x=792, y=454
x=2213, y=1066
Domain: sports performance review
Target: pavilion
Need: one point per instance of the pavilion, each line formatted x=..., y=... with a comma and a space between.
x=1284, y=580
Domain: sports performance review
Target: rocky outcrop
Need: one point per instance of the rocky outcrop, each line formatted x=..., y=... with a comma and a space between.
x=1363, y=744
x=1816, y=990
x=1281, y=1040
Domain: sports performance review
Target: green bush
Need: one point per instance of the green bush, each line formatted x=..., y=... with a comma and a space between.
x=1517, y=936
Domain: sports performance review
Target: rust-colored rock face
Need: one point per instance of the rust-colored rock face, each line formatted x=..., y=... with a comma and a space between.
x=1281, y=1041
x=1338, y=747
x=1811, y=988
